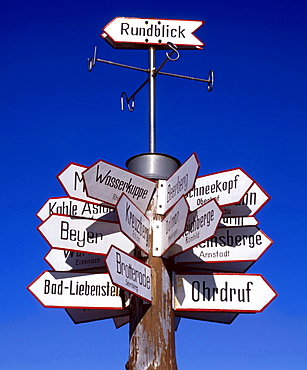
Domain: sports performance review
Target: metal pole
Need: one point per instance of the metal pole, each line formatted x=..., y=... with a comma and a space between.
x=152, y=99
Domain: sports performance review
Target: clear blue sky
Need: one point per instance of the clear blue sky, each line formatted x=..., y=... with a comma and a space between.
x=53, y=111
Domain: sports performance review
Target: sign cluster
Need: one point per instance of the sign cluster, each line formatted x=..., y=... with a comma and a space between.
x=206, y=224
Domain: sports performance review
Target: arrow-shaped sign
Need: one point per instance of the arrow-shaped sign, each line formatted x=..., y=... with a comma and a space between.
x=133, y=223
x=220, y=317
x=64, y=260
x=177, y=185
x=250, y=204
x=142, y=33
x=76, y=290
x=82, y=315
x=170, y=229
x=238, y=221
x=83, y=235
x=107, y=182
x=76, y=208
x=222, y=292
x=72, y=182
x=229, y=244
x=201, y=225
x=129, y=273
x=227, y=187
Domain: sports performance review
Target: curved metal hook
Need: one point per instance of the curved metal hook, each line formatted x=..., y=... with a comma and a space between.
x=125, y=96
x=210, y=81
x=92, y=61
x=174, y=50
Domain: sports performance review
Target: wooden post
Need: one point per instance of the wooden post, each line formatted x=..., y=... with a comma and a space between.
x=152, y=333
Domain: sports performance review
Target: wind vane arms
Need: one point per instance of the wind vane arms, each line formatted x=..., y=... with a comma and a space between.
x=131, y=100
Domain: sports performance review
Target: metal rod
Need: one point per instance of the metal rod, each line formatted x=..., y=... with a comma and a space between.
x=122, y=65
x=152, y=99
x=181, y=76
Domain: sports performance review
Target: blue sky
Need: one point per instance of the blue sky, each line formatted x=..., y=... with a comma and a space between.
x=53, y=112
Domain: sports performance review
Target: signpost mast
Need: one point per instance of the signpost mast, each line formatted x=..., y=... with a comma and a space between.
x=151, y=240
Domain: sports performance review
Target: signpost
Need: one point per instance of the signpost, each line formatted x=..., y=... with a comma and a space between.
x=227, y=187
x=138, y=33
x=130, y=274
x=107, y=182
x=133, y=223
x=179, y=184
x=83, y=235
x=222, y=292
x=76, y=290
x=77, y=208
x=171, y=215
x=200, y=226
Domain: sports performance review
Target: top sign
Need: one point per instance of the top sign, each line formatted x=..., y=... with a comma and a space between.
x=107, y=182
x=179, y=184
x=141, y=33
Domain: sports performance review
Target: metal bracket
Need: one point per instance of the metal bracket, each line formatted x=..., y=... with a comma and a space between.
x=130, y=101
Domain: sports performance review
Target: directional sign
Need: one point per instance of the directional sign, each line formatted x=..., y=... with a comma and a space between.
x=220, y=317
x=238, y=221
x=229, y=244
x=167, y=231
x=64, y=260
x=179, y=184
x=72, y=207
x=201, y=225
x=107, y=182
x=227, y=187
x=142, y=33
x=72, y=182
x=82, y=315
x=201, y=267
x=222, y=292
x=250, y=204
x=133, y=223
x=83, y=235
x=76, y=290
x=129, y=273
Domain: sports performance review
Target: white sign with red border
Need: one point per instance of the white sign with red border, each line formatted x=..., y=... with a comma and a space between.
x=238, y=221
x=200, y=226
x=227, y=187
x=72, y=182
x=82, y=315
x=129, y=273
x=133, y=223
x=106, y=182
x=76, y=208
x=124, y=32
x=76, y=290
x=170, y=229
x=177, y=185
x=64, y=260
x=229, y=244
x=222, y=292
x=250, y=204
x=83, y=235
x=220, y=317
